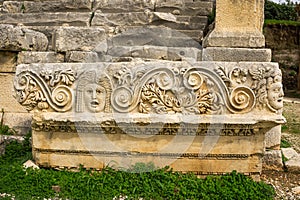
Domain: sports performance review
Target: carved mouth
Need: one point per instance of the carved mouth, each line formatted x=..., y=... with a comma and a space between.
x=94, y=104
x=280, y=100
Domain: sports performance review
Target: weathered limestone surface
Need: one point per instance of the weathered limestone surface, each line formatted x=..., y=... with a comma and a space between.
x=273, y=138
x=154, y=52
x=156, y=36
x=238, y=24
x=27, y=57
x=272, y=160
x=180, y=114
x=67, y=38
x=293, y=159
x=47, y=19
x=16, y=38
x=8, y=61
x=7, y=101
x=46, y=6
x=122, y=6
x=149, y=18
x=84, y=57
x=185, y=7
x=19, y=122
x=236, y=54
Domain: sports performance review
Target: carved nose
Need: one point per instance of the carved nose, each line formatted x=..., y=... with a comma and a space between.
x=94, y=95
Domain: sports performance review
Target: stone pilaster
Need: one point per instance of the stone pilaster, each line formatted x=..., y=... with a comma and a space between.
x=238, y=24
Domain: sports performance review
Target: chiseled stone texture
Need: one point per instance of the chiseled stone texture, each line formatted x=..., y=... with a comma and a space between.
x=293, y=159
x=19, y=122
x=234, y=39
x=180, y=114
x=27, y=57
x=237, y=24
x=8, y=61
x=82, y=56
x=7, y=101
x=113, y=6
x=46, y=6
x=273, y=138
x=272, y=160
x=155, y=36
x=149, y=18
x=188, y=153
x=17, y=38
x=236, y=54
x=78, y=39
x=47, y=18
x=155, y=52
x=183, y=7
x=289, y=153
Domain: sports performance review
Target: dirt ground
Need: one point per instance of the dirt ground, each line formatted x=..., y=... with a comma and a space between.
x=282, y=180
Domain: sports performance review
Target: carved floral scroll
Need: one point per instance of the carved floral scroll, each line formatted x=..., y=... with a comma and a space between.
x=177, y=88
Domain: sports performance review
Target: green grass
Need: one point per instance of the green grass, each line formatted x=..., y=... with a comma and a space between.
x=281, y=22
x=109, y=183
x=284, y=144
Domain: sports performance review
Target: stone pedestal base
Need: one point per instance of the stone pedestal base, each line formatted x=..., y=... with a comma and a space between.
x=235, y=39
x=176, y=141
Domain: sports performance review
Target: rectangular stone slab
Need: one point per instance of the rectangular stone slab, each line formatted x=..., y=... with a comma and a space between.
x=202, y=117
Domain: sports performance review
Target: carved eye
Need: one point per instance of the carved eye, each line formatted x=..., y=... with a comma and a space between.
x=90, y=91
x=100, y=91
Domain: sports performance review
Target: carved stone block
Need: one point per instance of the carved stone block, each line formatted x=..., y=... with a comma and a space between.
x=148, y=18
x=47, y=18
x=7, y=101
x=66, y=38
x=47, y=6
x=8, y=61
x=237, y=24
x=16, y=38
x=236, y=54
x=203, y=117
x=273, y=138
x=27, y=57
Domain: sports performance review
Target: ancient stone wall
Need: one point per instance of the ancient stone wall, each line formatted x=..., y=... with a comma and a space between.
x=80, y=31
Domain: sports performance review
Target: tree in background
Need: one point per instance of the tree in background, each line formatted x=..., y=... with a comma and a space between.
x=285, y=11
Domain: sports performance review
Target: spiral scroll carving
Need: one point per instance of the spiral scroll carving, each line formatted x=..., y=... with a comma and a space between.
x=45, y=90
x=123, y=98
x=62, y=97
x=193, y=80
x=242, y=99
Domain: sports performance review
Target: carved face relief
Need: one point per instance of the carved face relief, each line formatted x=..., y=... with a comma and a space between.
x=275, y=95
x=94, y=97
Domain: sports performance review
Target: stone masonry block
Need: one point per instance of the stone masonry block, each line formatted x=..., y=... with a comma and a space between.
x=47, y=6
x=114, y=6
x=7, y=101
x=8, y=61
x=82, y=56
x=78, y=39
x=273, y=138
x=149, y=18
x=236, y=54
x=19, y=122
x=47, y=18
x=27, y=57
x=16, y=38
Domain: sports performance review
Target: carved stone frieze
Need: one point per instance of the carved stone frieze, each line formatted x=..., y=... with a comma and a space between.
x=201, y=88
x=46, y=91
x=259, y=86
x=112, y=127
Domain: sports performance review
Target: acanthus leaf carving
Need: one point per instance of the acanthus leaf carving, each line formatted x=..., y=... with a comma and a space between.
x=45, y=90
